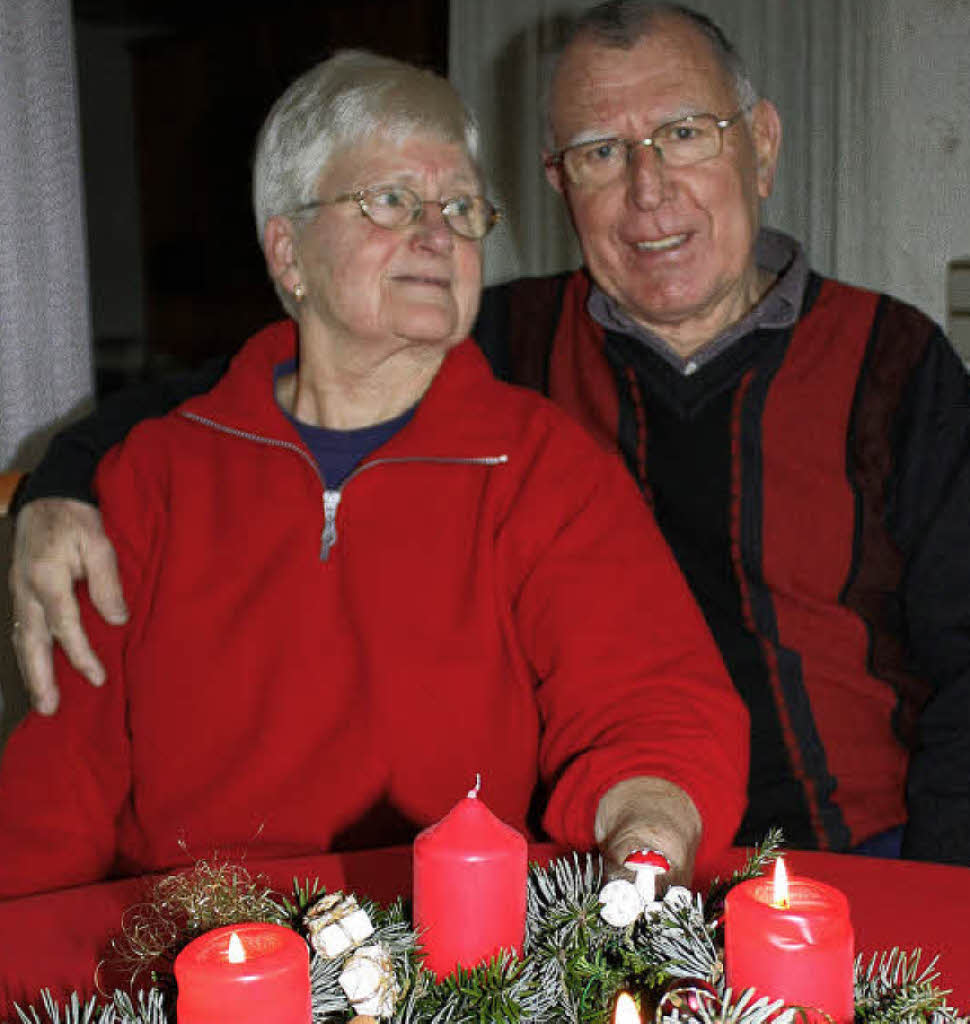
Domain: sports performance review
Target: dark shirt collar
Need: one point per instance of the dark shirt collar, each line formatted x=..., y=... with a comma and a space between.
x=775, y=252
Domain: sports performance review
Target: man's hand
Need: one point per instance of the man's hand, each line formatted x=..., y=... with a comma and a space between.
x=649, y=813
x=57, y=542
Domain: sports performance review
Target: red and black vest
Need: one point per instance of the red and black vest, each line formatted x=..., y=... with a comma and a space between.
x=773, y=472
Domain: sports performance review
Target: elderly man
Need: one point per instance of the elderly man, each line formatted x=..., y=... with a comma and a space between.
x=803, y=443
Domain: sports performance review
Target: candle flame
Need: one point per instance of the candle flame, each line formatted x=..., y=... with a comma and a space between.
x=780, y=885
x=626, y=1011
x=236, y=953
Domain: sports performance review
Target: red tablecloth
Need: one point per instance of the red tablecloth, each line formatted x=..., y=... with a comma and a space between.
x=57, y=939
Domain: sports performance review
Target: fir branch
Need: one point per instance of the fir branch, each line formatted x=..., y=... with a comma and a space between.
x=562, y=901
x=504, y=990
x=745, y=1010
x=683, y=943
x=894, y=987
x=74, y=1011
x=326, y=996
x=580, y=959
x=765, y=853
x=304, y=893
x=149, y=1009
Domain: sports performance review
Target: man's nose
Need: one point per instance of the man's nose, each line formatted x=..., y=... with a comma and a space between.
x=648, y=176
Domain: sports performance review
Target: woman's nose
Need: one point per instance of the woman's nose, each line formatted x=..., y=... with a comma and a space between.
x=432, y=228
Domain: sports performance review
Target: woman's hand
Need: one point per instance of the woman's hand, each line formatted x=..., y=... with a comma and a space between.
x=59, y=541
x=653, y=814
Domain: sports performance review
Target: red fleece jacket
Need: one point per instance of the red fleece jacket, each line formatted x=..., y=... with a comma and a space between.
x=497, y=600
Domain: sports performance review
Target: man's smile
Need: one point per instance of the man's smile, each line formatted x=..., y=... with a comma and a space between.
x=661, y=244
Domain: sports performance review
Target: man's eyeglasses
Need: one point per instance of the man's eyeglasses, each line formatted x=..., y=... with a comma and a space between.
x=395, y=207
x=680, y=143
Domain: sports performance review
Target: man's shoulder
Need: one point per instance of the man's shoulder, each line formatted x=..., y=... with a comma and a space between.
x=142, y=456
x=508, y=409
x=529, y=283
x=883, y=343
x=835, y=290
x=517, y=321
x=523, y=294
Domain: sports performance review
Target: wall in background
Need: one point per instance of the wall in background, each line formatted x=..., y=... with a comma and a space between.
x=925, y=72
x=172, y=95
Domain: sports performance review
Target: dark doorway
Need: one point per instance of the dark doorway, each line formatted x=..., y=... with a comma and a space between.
x=172, y=95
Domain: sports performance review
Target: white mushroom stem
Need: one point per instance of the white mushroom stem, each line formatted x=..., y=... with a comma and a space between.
x=646, y=883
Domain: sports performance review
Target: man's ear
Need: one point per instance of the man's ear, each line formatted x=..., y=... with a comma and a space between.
x=279, y=247
x=766, y=134
x=554, y=172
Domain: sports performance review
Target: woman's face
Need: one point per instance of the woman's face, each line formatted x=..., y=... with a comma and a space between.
x=367, y=285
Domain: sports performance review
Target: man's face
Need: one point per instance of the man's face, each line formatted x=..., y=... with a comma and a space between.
x=673, y=246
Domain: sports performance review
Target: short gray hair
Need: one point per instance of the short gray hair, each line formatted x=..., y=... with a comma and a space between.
x=621, y=24
x=348, y=99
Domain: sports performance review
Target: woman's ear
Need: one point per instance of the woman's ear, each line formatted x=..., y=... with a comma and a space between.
x=280, y=250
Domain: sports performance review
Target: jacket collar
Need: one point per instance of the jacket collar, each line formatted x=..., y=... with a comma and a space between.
x=462, y=410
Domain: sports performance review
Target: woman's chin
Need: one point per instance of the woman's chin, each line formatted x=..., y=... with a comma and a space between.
x=429, y=327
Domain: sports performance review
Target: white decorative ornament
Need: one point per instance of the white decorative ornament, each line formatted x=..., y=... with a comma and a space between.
x=653, y=910
x=646, y=865
x=621, y=903
x=678, y=896
x=368, y=981
x=336, y=923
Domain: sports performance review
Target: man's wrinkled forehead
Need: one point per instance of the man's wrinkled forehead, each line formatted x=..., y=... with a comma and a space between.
x=667, y=74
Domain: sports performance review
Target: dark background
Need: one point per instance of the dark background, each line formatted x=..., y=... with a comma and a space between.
x=172, y=94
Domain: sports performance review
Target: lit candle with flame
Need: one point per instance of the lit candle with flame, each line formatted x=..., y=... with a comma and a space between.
x=791, y=939
x=245, y=973
x=626, y=1011
x=779, y=885
x=236, y=954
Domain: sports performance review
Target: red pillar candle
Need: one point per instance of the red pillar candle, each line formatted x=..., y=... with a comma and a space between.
x=469, y=887
x=791, y=941
x=269, y=985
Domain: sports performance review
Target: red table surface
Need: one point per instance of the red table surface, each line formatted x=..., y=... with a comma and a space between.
x=55, y=940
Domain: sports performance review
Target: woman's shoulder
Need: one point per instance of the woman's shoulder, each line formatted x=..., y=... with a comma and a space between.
x=518, y=413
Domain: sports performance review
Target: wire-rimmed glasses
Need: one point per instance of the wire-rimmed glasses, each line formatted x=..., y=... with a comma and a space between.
x=395, y=207
x=688, y=140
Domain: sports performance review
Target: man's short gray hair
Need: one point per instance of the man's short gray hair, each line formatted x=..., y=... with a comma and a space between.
x=352, y=98
x=623, y=23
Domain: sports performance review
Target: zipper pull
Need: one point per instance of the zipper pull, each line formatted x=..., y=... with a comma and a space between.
x=331, y=499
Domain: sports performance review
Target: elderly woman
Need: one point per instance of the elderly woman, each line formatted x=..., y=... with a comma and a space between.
x=360, y=570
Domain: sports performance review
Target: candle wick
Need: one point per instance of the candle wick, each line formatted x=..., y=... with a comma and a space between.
x=473, y=793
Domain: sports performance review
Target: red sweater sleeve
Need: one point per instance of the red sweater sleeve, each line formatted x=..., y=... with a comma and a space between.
x=632, y=683
x=65, y=779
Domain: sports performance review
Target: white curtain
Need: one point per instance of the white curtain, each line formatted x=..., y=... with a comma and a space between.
x=819, y=65
x=45, y=347
x=498, y=60
x=873, y=95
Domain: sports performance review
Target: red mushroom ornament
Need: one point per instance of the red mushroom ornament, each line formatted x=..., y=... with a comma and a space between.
x=646, y=865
